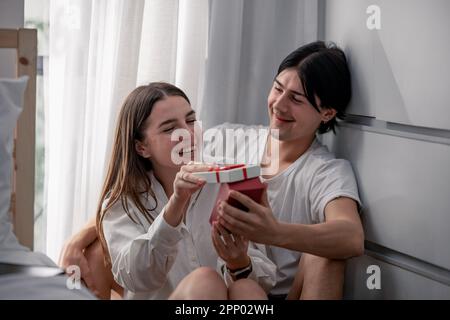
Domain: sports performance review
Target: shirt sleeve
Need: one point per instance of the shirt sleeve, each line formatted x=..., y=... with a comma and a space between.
x=263, y=269
x=141, y=259
x=334, y=178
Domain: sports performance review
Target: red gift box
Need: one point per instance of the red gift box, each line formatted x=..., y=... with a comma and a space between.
x=252, y=188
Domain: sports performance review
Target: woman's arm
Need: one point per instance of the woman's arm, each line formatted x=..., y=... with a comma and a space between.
x=184, y=186
x=141, y=259
x=238, y=255
x=175, y=210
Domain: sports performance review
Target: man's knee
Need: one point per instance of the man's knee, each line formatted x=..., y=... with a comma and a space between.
x=322, y=278
x=321, y=264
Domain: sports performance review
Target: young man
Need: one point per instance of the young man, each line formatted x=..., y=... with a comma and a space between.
x=309, y=217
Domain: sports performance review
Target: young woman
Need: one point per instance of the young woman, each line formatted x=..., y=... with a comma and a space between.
x=152, y=218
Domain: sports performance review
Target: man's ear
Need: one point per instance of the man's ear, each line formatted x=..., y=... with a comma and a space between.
x=327, y=114
x=142, y=149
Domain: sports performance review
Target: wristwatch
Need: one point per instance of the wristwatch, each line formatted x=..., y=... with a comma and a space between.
x=240, y=273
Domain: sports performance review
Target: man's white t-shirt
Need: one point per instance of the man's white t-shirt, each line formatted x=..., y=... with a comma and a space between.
x=298, y=194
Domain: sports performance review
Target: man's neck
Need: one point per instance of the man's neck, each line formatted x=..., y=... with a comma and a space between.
x=288, y=151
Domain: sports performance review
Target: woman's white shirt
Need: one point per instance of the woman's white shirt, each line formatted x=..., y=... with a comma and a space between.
x=150, y=259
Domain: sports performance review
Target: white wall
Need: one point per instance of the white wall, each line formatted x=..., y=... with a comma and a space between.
x=398, y=142
x=11, y=16
x=401, y=71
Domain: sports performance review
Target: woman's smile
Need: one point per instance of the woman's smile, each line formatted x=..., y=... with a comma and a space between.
x=188, y=150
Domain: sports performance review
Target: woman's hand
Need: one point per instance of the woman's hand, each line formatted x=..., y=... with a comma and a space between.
x=231, y=248
x=184, y=185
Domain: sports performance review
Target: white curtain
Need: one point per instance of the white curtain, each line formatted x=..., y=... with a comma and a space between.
x=247, y=41
x=100, y=50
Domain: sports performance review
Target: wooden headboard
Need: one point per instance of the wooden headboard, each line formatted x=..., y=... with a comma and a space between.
x=22, y=197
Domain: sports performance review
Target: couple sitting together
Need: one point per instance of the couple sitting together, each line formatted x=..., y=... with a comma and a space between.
x=152, y=238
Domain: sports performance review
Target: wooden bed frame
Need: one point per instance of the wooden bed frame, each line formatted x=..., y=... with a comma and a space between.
x=22, y=196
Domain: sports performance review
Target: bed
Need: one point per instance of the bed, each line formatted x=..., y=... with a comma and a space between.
x=24, y=41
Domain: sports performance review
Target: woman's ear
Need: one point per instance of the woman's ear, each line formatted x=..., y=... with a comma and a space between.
x=327, y=114
x=142, y=149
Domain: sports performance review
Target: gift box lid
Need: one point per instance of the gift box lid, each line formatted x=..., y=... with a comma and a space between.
x=230, y=173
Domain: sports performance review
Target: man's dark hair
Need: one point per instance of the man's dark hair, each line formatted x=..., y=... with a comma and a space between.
x=322, y=68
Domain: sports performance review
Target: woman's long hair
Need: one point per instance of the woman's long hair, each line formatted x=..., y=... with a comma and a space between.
x=127, y=178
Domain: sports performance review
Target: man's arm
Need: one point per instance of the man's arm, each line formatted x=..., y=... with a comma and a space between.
x=85, y=236
x=341, y=236
x=73, y=252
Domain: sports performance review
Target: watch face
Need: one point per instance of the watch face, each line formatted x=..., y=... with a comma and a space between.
x=242, y=273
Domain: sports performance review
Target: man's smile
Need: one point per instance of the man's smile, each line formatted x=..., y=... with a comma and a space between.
x=282, y=119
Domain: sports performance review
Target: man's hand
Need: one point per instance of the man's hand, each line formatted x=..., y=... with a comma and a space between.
x=258, y=225
x=231, y=248
x=73, y=254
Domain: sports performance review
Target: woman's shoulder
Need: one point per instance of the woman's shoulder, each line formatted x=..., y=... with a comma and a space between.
x=116, y=207
x=125, y=209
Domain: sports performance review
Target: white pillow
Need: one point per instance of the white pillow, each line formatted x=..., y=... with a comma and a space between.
x=11, y=101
